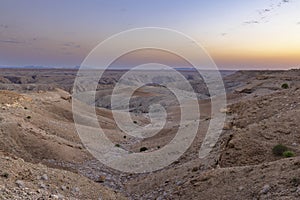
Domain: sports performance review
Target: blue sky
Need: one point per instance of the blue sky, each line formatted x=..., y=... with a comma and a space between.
x=237, y=34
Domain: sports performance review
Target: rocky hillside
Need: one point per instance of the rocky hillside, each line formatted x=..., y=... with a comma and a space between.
x=37, y=132
x=41, y=154
x=23, y=180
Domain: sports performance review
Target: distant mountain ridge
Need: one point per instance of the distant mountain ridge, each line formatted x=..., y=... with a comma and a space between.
x=37, y=67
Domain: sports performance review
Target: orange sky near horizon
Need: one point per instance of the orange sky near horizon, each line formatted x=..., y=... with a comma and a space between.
x=257, y=34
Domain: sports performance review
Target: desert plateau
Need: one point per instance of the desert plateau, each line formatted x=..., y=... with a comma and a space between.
x=42, y=156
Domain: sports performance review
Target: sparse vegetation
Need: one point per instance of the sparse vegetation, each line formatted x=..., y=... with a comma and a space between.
x=5, y=175
x=288, y=154
x=195, y=169
x=295, y=181
x=143, y=149
x=285, y=86
x=279, y=149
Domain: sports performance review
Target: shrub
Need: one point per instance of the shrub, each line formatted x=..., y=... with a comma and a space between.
x=279, y=149
x=117, y=145
x=143, y=149
x=5, y=175
x=124, y=136
x=295, y=181
x=195, y=169
x=288, y=154
x=285, y=86
x=28, y=117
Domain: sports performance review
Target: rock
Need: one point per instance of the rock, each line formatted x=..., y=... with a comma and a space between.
x=64, y=94
x=227, y=126
x=63, y=188
x=76, y=189
x=194, y=169
x=44, y=177
x=265, y=189
x=7, y=158
x=247, y=90
x=298, y=191
x=231, y=145
x=160, y=198
x=285, y=131
x=20, y=184
x=101, y=179
x=261, y=77
x=60, y=196
x=54, y=196
x=225, y=110
x=178, y=183
x=42, y=185
x=241, y=188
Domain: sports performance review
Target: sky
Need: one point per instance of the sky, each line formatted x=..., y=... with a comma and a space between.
x=257, y=34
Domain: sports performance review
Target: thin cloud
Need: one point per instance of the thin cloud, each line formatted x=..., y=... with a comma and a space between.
x=71, y=45
x=251, y=22
x=4, y=26
x=263, y=11
x=68, y=44
x=19, y=41
x=263, y=15
x=11, y=41
x=283, y=2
